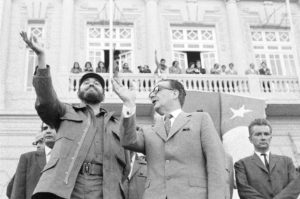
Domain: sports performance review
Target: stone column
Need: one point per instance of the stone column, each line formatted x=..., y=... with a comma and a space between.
x=67, y=47
x=152, y=32
x=238, y=48
x=5, y=18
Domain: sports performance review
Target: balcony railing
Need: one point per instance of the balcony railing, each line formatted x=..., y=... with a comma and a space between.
x=268, y=87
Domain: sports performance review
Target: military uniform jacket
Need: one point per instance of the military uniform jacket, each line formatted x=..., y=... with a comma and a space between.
x=74, y=137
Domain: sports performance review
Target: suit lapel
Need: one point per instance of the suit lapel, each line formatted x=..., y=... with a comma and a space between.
x=259, y=163
x=272, y=161
x=160, y=130
x=41, y=159
x=181, y=120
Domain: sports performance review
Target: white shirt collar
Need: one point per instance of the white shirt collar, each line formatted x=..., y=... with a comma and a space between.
x=261, y=157
x=176, y=113
x=47, y=150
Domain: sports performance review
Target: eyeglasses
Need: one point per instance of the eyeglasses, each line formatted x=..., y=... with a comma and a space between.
x=158, y=88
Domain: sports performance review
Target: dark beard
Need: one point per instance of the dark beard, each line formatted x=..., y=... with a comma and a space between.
x=91, y=97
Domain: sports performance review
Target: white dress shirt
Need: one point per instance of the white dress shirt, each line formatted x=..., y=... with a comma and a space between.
x=48, y=153
x=261, y=157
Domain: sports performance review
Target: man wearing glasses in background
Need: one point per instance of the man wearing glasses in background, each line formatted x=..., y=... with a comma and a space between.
x=184, y=153
x=32, y=163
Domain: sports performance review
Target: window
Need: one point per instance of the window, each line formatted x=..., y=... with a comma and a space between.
x=275, y=48
x=98, y=44
x=37, y=30
x=191, y=44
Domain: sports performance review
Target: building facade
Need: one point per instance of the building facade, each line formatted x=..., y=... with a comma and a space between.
x=209, y=31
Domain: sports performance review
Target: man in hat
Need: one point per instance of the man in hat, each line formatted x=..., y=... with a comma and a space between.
x=87, y=160
x=31, y=164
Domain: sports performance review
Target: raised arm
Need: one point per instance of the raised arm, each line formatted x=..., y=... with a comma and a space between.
x=47, y=104
x=130, y=138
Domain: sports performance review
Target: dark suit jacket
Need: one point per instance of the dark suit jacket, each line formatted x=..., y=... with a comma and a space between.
x=187, y=163
x=28, y=174
x=254, y=181
x=136, y=182
x=9, y=187
x=292, y=191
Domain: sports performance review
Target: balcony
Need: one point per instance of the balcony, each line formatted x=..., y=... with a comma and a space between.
x=274, y=89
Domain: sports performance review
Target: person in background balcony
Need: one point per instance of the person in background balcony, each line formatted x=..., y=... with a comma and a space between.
x=216, y=69
x=231, y=70
x=264, y=70
x=101, y=67
x=147, y=69
x=174, y=69
x=125, y=68
x=192, y=69
x=251, y=70
x=223, y=70
x=141, y=69
x=200, y=68
x=76, y=68
x=161, y=67
x=88, y=67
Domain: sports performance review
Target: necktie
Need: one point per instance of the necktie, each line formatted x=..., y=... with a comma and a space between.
x=266, y=161
x=168, y=123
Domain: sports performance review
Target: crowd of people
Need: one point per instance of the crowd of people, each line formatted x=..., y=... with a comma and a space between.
x=161, y=68
x=88, y=153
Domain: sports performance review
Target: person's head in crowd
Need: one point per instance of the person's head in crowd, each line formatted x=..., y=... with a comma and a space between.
x=167, y=95
x=162, y=61
x=140, y=69
x=88, y=66
x=100, y=64
x=175, y=64
x=191, y=65
x=216, y=66
x=198, y=64
x=263, y=64
x=49, y=135
x=76, y=65
x=91, y=88
x=39, y=141
x=252, y=66
x=125, y=66
x=223, y=68
x=231, y=66
x=260, y=134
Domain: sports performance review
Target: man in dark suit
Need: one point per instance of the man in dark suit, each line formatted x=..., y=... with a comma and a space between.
x=263, y=175
x=136, y=180
x=185, y=156
x=30, y=166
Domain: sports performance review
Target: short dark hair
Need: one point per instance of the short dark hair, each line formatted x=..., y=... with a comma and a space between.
x=176, y=85
x=162, y=60
x=259, y=122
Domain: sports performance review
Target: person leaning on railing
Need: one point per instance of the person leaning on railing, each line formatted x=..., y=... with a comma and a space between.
x=76, y=68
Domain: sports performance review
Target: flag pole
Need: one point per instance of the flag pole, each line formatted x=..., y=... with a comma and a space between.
x=111, y=15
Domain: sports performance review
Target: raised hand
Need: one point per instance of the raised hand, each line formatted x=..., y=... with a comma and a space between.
x=32, y=43
x=126, y=95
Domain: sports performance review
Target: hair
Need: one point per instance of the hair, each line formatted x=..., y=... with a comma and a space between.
x=231, y=64
x=190, y=64
x=88, y=62
x=259, y=122
x=99, y=62
x=176, y=85
x=162, y=60
x=174, y=62
x=75, y=64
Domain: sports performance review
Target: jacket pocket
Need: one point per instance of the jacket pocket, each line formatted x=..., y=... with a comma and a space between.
x=51, y=164
x=197, y=182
